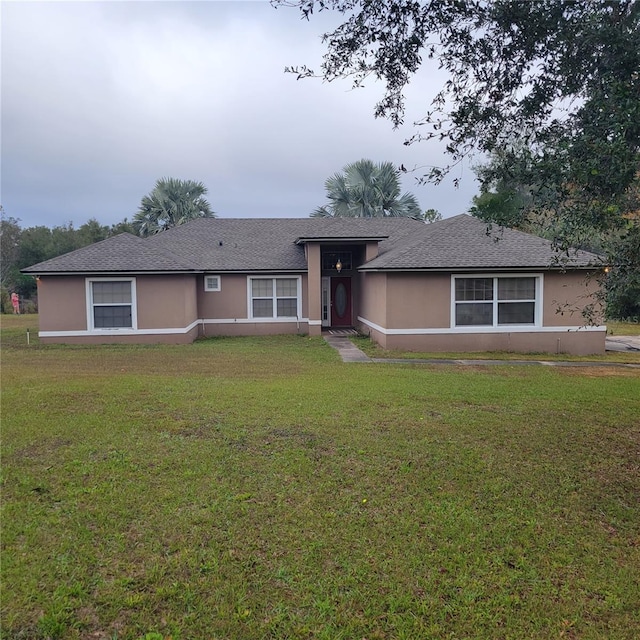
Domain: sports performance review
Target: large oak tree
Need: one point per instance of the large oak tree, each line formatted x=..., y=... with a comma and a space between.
x=549, y=89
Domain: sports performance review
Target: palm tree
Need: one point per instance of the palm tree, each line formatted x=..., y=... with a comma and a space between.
x=170, y=203
x=367, y=190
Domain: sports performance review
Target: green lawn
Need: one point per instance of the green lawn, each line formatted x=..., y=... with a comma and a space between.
x=260, y=488
x=623, y=328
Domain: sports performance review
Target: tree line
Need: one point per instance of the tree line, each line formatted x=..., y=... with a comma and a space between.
x=363, y=189
x=22, y=247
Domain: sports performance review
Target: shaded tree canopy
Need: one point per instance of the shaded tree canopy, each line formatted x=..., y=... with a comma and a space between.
x=365, y=189
x=431, y=215
x=9, y=246
x=554, y=85
x=171, y=202
x=26, y=247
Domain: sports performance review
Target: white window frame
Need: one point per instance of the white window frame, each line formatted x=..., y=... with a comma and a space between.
x=219, y=280
x=274, y=297
x=90, y=306
x=494, y=326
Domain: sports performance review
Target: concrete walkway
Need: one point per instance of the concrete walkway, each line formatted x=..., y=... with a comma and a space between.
x=347, y=350
x=623, y=343
x=350, y=353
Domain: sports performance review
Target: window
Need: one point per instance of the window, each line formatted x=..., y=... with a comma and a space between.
x=496, y=301
x=274, y=297
x=212, y=283
x=111, y=303
x=330, y=259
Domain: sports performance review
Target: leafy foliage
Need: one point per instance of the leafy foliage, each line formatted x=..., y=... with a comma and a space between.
x=553, y=85
x=171, y=202
x=25, y=247
x=365, y=189
x=431, y=215
x=508, y=202
x=9, y=238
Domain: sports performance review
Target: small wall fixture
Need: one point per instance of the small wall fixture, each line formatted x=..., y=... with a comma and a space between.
x=339, y=266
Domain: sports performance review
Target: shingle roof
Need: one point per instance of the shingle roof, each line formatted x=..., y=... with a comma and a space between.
x=124, y=252
x=275, y=244
x=464, y=242
x=256, y=244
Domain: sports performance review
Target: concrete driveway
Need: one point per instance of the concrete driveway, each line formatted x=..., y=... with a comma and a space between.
x=623, y=343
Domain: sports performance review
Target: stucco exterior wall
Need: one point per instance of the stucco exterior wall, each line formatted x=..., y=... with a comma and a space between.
x=230, y=303
x=412, y=312
x=418, y=300
x=373, y=298
x=166, y=302
x=62, y=303
x=163, y=302
x=209, y=329
x=566, y=295
x=576, y=342
x=157, y=338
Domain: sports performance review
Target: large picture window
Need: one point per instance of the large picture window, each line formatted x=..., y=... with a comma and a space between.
x=111, y=304
x=271, y=298
x=495, y=301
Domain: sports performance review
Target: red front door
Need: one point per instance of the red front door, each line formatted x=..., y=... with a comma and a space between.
x=341, y=302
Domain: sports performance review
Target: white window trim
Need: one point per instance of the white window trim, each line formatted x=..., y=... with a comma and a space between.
x=275, y=318
x=89, y=301
x=212, y=275
x=538, y=302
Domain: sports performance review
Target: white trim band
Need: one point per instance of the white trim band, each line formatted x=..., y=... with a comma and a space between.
x=254, y=320
x=119, y=332
x=467, y=330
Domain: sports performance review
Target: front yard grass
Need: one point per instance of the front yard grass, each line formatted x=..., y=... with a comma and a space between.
x=261, y=488
x=616, y=328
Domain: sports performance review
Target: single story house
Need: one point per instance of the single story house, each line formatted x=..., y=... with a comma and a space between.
x=453, y=285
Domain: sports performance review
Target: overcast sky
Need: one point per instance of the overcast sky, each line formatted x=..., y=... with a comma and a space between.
x=100, y=99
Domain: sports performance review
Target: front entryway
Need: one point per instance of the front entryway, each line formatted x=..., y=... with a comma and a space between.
x=341, y=302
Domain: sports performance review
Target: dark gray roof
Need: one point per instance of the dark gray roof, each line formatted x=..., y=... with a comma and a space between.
x=276, y=244
x=267, y=244
x=124, y=252
x=464, y=242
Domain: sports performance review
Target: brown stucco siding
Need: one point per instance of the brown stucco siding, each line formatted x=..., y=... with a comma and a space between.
x=166, y=301
x=230, y=303
x=418, y=300
x=314, y=287
x=164, y=338
x=252, y=328
x=566, y=295
x=373, y=298
x=580, y=342
x=62, y=303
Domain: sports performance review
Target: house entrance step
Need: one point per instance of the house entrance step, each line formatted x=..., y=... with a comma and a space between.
x=342, y=332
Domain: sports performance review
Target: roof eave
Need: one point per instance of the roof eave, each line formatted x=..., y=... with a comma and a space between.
x=483, y=268
x=340, y=239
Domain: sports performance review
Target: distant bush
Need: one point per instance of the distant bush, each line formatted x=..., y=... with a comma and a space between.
x=5, y=301
x=29, y=306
